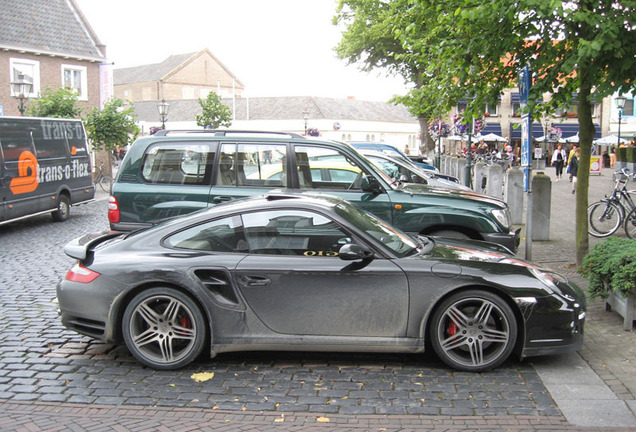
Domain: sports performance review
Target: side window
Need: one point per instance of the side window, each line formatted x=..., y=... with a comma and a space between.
x=337, y=170
x=287, y=232
x=14, y=141
x=257, y=165
x=178, y=164
x=222, y=235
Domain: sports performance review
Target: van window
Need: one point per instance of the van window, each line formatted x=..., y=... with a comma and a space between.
x=13, y=142
x=252, y=165
x=177, y=164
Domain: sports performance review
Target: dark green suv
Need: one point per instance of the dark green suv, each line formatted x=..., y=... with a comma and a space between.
x=174, y=173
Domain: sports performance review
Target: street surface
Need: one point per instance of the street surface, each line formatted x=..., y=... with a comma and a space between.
x=45, y=368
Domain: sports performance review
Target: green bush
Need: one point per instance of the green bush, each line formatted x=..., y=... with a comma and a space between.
x=611, y=264
x=631, y=154
x=621, y=154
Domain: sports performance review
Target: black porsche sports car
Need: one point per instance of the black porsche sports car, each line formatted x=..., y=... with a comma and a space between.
x=295, y=272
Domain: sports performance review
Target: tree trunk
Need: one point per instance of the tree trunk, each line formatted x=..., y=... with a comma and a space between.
x=586, y=135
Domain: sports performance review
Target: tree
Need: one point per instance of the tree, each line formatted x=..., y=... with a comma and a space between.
x=370, y=40
x=60, y=103
x=111, y=127
x=215, y=113
x=582, y=47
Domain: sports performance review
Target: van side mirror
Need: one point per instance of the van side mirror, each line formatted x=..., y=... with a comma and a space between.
x=370, y=184
x=352, y=252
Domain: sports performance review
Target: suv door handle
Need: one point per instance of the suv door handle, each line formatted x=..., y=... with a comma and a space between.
x=220, y=199
x=255, y=281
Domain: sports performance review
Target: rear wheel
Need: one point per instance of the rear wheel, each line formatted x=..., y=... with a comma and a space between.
x=604, y=217
x=164, y=328
x=473, y=331
x=63, y=209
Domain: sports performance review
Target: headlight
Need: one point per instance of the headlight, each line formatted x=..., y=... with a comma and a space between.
x=503, y=217
x=550, y=279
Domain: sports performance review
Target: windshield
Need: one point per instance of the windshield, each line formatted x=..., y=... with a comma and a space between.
x=398, y=242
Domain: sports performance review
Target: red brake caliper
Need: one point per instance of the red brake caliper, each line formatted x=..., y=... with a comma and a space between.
x=451, y=329
x=185, y=322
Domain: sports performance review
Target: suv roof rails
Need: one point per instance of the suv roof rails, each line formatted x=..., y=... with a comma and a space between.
x=226, y=132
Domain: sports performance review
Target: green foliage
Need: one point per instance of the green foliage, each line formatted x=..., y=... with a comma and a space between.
x=214, y=113
x=621, y=154
x=630, y=154
x=111, y=127
x=612, y=264
x=60, y=103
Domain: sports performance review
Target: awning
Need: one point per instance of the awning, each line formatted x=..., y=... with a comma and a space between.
x=570, y=129
x=492, y=128
x=515, y=133
x=567, y=130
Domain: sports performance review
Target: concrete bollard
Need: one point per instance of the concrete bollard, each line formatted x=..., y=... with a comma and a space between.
x=452, y=166
x=513, y=194
x=479, y=177
x=494, y=186
x=541, y=201
x=461, y=170
x=442, y=164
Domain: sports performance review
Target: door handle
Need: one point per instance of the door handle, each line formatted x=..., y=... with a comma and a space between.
x=220, y=199
x=255, y=280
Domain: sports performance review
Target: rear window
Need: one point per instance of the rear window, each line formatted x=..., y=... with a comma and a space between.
x=177, y=164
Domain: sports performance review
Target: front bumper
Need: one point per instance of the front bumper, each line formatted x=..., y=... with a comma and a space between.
x=510, y=240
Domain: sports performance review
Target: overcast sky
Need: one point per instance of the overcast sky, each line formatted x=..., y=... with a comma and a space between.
x=274, y=47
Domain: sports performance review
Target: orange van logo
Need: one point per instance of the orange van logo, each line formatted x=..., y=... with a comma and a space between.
x=27, y=180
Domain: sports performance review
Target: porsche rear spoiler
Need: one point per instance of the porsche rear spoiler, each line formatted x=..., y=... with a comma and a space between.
x=81, y=246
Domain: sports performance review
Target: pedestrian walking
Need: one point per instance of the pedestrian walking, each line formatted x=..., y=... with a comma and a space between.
x=570, y=154
x=574, y=168
x=612, y=158
x=558, y=160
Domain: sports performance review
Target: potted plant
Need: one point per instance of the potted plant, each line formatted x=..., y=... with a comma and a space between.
x=611, y=269
x=621, y=159
x=630, y=155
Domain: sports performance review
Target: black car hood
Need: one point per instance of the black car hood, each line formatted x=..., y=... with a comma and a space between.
x=414, y=188
x=470, y=250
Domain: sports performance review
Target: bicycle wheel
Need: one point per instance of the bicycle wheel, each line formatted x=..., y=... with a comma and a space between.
x=105, y=183
x=605, y=217
x=630, y=224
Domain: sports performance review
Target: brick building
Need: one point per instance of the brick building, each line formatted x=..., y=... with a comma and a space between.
x=49, y=44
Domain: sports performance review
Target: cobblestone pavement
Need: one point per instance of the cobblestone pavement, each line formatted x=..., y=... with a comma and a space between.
x=54, y=379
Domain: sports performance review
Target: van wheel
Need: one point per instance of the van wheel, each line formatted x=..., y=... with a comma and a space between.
x=63, y=209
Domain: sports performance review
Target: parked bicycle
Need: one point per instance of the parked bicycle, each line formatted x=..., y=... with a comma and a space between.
x=103, y=180
x=607, y=215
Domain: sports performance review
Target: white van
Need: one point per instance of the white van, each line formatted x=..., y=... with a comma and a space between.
x=45, y=167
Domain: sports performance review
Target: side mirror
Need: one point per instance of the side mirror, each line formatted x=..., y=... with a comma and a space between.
x=353, y=252
x=370, y=184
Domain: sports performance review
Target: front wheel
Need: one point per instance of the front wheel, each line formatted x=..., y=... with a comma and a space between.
x=63, y=210
x=604, y=217
x=164, y=328
x=630, y=224
x=105, y=183
x=473, y=331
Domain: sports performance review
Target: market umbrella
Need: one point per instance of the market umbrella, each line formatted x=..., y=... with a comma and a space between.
x=492, y=137
x=609, y=140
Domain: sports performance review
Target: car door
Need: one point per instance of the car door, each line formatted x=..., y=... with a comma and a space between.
x=247, y=169
x=295, y=283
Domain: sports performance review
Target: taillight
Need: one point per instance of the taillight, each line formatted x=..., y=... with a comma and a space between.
x=113, y=210
x=81, y=274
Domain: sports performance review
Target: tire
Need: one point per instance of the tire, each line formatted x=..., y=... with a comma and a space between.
x=450, y=234
x=473, y=331
x=152, y=333
x=63, y=210
x=604, y=218
x=105, y=183
x=630, y=224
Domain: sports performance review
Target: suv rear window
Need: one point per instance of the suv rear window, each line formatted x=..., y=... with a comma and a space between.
x=178, y=164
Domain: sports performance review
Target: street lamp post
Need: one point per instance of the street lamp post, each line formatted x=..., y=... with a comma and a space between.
x=21, y=89
x=620, y=104
x=163, y=108
x=305, y=118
